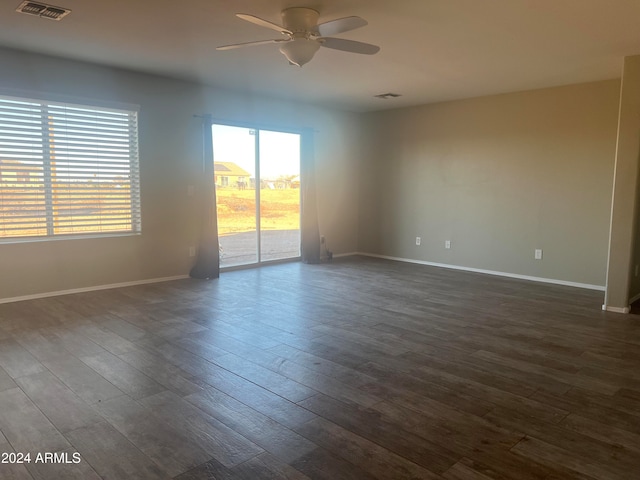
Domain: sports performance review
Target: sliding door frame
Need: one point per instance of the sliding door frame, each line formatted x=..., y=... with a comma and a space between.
x=257, y=128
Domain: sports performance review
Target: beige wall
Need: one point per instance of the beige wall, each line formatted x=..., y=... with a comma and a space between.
x=499, y=177
x=170, y=158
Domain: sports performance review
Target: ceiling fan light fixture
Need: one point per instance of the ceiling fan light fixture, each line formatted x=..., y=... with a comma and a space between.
x=299, y=50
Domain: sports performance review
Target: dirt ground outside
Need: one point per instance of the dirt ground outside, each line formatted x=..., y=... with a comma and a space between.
x=280, y=210
x=99, y=207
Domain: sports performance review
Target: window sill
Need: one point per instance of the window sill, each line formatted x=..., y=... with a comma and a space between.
x=89, y=236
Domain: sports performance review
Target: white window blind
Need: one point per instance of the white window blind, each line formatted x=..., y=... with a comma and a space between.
x=67, y=169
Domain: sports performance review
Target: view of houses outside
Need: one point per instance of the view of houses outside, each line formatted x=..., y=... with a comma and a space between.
x=238, y=187
x=30, y=207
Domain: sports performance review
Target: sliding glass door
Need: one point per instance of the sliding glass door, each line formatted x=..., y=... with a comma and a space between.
x=257, y=176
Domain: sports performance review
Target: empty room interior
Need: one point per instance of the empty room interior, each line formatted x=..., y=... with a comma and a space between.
x=320, y=239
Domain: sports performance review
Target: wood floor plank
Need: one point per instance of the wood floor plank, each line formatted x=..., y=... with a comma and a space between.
x=12, y=471
x=65, y=467
x=253, y=338
x=25, y=427
x=210, y=470
x=126, y=378
x=272, y=436
x=167, y=375
x=317, y=364
x=219, y=441
x=341, y=352
x=76, y=343
x=279, y=408
x=628, y=394
x=583, y=447
x=394, y=384
x=262, y=467
x=17, y=361
x=202, y=349
x=368, y=424
x=605, y=387
x=104, y=337
x=602, y=431
x=365, y=454
x=282, y=385
x=552, y=455
x=503, y=377
x=460, y=431
x=113, y=456
x=177, y=328
x=170, y=351
x=460, y=471
x=120, y=326
x=165, y=445
x=266, y=466
x=583, y=403
x=386, y=347
x=219, y=342
x=5, y=380
x=284, y=332
x=63, y=408
x=82, y=380
x=309, y=380
x=42, y=344
x=322, y=465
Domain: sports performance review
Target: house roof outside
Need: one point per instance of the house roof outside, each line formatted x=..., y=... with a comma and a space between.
x=229, y=169
x=15, y=165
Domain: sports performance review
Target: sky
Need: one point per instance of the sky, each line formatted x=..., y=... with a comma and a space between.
x=279, y=151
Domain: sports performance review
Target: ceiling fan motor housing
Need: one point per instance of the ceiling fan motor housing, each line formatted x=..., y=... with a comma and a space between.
x=300, y=20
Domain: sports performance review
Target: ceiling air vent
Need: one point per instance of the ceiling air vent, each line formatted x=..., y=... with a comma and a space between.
x=387, y=96
x=43, y=10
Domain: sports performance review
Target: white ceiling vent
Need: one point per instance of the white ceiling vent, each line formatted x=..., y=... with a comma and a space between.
x=43, y=10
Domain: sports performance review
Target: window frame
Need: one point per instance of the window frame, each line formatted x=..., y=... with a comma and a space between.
x=127, y=126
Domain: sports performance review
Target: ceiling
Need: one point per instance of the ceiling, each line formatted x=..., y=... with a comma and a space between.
x=431, y=50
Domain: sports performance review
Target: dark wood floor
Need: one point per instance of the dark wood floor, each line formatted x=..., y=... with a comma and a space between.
x=358, y=369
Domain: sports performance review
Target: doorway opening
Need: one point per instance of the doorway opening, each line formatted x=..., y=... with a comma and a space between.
x=257, y=177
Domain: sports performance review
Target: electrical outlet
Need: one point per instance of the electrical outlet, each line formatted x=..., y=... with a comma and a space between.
x=447, y=244
x=538, y=254
x=418, y=240
x=192, y=251
x=322, y=239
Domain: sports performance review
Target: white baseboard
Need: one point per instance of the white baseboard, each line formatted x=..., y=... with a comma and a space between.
x=489, y=272
x=338, y=255
x=609, y=308
x=91, y=289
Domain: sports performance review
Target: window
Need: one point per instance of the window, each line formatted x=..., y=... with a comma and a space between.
x=67, y=169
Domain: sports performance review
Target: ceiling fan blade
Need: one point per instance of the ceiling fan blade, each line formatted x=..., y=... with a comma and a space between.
x=263, y=23
x=251, y=44
x=349, y=45
x=334, y=27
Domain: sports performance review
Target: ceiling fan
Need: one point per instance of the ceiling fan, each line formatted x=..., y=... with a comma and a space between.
x=303, y=36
